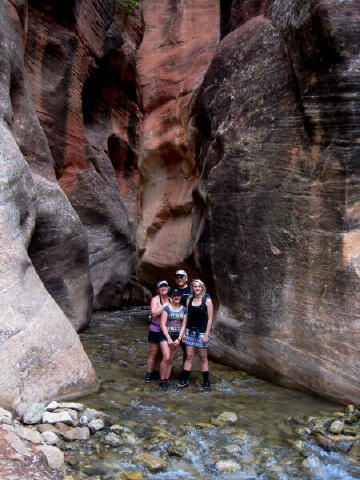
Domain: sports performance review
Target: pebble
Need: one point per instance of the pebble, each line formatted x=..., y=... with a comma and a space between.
x=113, y=440
x=232, y=448
x=62, y=427
x=134, y=476
x=350, y=409
x=227, y=417
x=227, y=466
x=91, y=414
x=152, y=463
x=32, y=436
x=47, y=427
x=130, y=438
x=313, y=463
x=60, y=417
x=355, y=451
x=96, y=425
x=71, y=405
x=52, y=406
x=336, y=427
x=50, y=438
x=54, y=456
x=34, y=414
x=77, y=433
x=204, y=425
x=83, y=420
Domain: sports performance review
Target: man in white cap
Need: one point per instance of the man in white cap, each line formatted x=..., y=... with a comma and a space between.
x=181, y=280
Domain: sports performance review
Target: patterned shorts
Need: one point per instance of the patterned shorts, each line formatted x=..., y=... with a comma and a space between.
x=193, y=338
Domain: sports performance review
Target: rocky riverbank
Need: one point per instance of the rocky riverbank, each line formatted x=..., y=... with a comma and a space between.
x=339, y=432
x=52, y=441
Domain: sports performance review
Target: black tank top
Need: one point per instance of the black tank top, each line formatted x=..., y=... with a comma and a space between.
x=197, y=316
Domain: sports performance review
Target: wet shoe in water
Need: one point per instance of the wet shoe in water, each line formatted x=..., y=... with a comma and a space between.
x=207, y=386
x=182, y=384
x=163, y=386
x=148, y=377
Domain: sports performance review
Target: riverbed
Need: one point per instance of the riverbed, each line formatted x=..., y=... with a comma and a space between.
x=178, y=426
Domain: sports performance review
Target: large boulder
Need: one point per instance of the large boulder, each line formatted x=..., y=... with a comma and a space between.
x=277, y=144
x=41, y=355
x=179, y=42
x=80, y=58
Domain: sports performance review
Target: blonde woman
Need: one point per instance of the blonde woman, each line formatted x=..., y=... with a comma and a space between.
x=197, y=333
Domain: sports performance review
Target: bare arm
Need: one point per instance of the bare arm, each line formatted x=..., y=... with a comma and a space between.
x=163, y=326
x=155, y=307
x=183, y=326
x=210, y=312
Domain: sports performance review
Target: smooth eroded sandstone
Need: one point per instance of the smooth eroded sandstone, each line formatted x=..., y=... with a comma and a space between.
x=41, y=355
x=278, y=121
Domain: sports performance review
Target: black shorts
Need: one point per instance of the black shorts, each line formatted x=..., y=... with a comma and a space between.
x=173, y=335
x=154, y=337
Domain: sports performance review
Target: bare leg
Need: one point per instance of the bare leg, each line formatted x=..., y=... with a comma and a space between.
x=158, y=360
x=174, y=351
x=166, y=360
x=190, y=352
x=153, y=354
x=203, y=356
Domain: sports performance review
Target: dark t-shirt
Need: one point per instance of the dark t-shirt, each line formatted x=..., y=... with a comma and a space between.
x=185, y=294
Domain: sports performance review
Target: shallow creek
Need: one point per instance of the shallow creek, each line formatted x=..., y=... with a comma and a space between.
x=166, y=424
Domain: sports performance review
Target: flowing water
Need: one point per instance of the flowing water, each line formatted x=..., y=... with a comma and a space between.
x=175, y=425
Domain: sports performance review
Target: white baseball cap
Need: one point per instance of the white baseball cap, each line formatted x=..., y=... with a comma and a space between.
x=182, y=273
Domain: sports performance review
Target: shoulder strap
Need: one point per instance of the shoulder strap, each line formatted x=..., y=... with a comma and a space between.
x=160, y=300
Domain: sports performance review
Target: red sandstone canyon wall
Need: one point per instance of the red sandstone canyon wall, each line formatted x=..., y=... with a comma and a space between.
x=81, y=62
x=178, y=45
x=277, y=144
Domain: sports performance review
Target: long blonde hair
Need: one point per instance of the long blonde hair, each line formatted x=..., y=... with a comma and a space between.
x=201, y=283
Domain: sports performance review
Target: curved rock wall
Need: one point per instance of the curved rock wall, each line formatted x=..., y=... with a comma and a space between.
x=41, y=355
x=178, y=45
x=81, y=58
x=277, y=146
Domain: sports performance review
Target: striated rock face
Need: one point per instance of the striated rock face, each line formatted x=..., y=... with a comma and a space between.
x=277, y=150
x=178, y=45
x=38, y=345
x=80, y=59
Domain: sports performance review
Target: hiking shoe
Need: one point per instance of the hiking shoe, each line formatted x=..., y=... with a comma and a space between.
x=148, y=377
x=182, y=384
x=207, y=385
x=163, y=386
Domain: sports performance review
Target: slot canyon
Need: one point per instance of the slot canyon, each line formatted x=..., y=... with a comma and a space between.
x=217, y=136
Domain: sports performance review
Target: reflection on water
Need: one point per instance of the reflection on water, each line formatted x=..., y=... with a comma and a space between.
x=175, y=426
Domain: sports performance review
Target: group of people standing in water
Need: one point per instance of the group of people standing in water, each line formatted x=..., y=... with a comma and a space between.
x=180, y=316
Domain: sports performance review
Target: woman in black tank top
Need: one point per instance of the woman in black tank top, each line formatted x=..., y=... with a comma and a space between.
x=197, y=332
